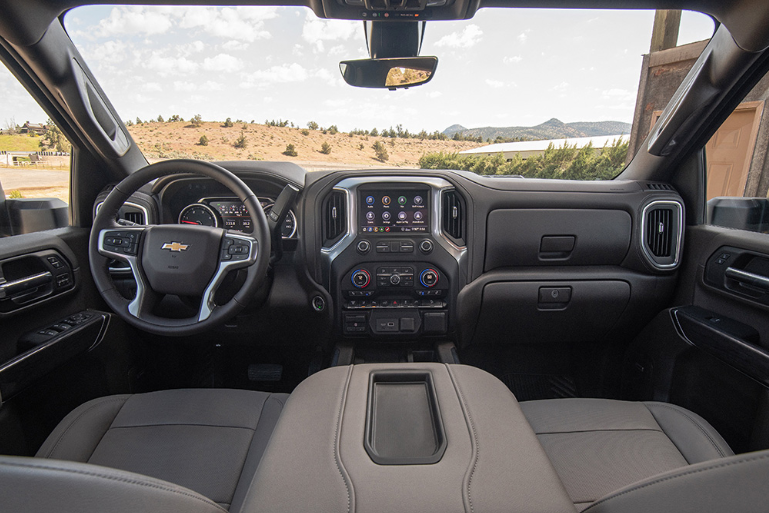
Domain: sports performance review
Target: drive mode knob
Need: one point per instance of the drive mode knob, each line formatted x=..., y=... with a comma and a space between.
x=428, y=278
x=361, y=278
x=395, y=279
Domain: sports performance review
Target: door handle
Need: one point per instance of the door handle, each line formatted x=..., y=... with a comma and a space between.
x=26, y=284
x=747, y=278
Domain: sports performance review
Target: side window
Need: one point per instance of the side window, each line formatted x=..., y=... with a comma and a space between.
x=738, y=168
x=34, y=164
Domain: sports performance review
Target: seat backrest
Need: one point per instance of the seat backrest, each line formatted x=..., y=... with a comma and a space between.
x=734, y=484
x=34, y=485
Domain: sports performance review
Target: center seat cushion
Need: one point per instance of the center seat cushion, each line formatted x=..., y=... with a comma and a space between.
x=598, y=446
x=207, y=440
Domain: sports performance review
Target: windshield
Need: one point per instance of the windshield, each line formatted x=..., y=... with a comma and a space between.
x=537, y=93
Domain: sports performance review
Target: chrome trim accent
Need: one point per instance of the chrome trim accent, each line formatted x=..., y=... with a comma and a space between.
x=130, y=204
x=207, y=305
x=210, y=210
x=5, y=285
x=755, y=280
x=134, y=307
x=650, y=257
x=350, y=187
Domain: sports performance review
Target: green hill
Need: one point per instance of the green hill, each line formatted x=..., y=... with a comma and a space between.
x=551, y=129
x=19, y=143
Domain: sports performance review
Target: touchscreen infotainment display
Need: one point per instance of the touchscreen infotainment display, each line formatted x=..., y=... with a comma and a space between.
x=394, y=210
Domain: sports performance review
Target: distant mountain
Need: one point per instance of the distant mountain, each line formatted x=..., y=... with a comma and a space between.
x=551, y=129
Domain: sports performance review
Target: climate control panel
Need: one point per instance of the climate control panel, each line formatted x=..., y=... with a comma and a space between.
x=394, y=299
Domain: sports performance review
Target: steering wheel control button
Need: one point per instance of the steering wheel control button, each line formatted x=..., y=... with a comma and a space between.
x=426, y=246
x=428, y=278
x=361, y=278
x=363, y=247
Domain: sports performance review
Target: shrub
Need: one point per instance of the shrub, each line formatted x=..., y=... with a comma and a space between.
x=196, y=120
x=305, y=132
x=381, y=152
x=129, y=123
x=325, y=148
x=225, y=139
x=138, y=121
x=227, y=123
x=375, y=133
x=290, y=151
x=361, y=146
x=15, y=194
x=312, y=125
x=245, y=126
x=203, y=141
x=160, y=119
x=566, y=162
x=333, y=130
x=241, y=142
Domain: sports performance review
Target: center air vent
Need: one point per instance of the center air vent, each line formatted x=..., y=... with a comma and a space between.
x=662, y=233
x=334, y=217
x=453, y=216
x=133, y=216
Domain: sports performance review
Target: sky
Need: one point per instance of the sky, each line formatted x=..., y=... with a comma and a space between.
x=504, y=67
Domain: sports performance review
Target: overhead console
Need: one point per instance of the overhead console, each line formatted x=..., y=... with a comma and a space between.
x=399, y=10
x=393, y=268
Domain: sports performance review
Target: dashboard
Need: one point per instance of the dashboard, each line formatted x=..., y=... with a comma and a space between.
x=410, y=255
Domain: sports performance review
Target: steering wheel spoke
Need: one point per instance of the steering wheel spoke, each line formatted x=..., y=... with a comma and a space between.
x=237, y=251
x=123, y=244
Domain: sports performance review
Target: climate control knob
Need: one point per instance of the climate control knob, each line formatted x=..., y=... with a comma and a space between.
x=361, y=278
x=395, y=279
x=428, y=278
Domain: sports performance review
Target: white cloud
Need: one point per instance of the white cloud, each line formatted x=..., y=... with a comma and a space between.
x=205, y=86
x=515, y=59
x=522, y=37
x=234, y=45
x=184, y=86
x=434, y=94
x=316, y=30
x=135, y=20
x=190, y=48
x=108, y=52
x=560, y=87
x=222, y=62
x=282, y=74
x=151, y=86
x=169, y=65
x=326, y=76
x=239, y=23
x=336, y=104
x=465, y=39
x=496, y=84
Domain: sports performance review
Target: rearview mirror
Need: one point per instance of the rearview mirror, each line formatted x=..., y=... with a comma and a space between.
x=389, y=73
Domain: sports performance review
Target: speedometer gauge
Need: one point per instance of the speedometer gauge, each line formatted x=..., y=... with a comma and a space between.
x=199, y=214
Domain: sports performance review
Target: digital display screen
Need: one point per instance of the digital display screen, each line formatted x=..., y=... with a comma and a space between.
x=394, y=211
x=234, y=215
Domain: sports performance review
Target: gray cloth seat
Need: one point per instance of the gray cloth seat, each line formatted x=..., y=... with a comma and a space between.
x=599, y=446
x=209, y=441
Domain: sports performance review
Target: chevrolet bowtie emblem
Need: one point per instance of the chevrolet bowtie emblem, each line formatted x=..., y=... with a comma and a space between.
x=175, y=246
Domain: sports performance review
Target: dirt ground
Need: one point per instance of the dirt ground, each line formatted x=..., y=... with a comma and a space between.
x=160, y=141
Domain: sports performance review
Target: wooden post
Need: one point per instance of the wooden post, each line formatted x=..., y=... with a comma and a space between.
x=665, y=32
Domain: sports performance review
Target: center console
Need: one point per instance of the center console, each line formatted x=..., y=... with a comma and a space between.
x=394, y=273
x=405, y=437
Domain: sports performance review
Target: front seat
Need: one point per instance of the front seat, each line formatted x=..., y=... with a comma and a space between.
x=207, y=440
x=599, y=446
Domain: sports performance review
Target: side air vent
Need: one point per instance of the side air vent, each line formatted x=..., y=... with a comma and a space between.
x=655, y=186
x=453, y=216
x=662, y=233
x=334, y=217
x=136, y=217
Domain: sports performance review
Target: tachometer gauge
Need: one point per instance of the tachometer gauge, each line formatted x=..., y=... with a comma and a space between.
x=288, y=229
x=199, y=214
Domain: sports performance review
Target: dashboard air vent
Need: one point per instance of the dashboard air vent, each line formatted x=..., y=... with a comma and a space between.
x=334, y=216
x=136, y=217
x=662, y=233
x=453, y=216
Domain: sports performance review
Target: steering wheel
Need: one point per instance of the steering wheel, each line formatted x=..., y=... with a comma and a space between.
x=178, y=259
